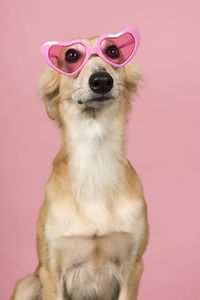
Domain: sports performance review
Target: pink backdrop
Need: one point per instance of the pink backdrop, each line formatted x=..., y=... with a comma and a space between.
x=163, y=132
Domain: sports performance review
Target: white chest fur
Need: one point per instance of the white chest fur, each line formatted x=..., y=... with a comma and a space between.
x=93, y=250
x=99, y=220
x=96, y=158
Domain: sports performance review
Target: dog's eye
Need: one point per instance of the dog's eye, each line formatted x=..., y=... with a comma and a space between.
x=71, y=56
x=112, y=52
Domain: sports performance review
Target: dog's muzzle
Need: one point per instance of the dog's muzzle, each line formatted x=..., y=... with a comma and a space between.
x=101, y=83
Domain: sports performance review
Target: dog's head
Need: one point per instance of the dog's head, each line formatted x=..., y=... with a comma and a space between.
x=97, y=89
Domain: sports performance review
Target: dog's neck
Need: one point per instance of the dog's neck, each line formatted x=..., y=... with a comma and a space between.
x=96, y=156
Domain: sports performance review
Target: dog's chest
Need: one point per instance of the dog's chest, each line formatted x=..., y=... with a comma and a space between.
x=94, y=220
x=67, y=229
x=92, y=267
x=93, y=249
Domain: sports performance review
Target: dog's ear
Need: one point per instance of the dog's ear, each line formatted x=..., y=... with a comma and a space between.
x=49, y=86
x=132, y=77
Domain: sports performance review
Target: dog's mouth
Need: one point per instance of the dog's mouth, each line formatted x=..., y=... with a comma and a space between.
x=101, y=99
x=96, y=100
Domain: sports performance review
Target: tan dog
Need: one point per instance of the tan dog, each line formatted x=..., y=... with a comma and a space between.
x=92, y=229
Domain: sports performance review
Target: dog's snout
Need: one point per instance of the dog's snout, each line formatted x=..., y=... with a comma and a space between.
x=101, y=82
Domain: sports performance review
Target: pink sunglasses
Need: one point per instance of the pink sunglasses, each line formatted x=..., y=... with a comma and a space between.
x=70, y=57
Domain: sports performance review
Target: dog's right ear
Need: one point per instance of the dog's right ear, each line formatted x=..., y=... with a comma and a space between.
x=49, y=86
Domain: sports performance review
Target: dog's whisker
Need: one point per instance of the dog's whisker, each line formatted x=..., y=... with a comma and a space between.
x=74, y=91
x=77, y=89
x=120, y=84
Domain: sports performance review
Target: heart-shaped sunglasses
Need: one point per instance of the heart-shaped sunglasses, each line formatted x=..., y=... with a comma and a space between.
x=70, y=57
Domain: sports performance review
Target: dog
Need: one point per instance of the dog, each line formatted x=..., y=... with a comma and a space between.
x=92, y=228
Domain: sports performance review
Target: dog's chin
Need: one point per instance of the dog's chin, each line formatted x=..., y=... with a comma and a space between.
x=97, y=102
x=94, y=106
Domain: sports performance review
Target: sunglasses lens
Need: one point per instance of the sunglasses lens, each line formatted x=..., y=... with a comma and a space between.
x=67, y=58
x=118, y=49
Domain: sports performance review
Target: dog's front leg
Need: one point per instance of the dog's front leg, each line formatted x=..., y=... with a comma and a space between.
x=129, y=289
x=123, y=292
x=50, y=287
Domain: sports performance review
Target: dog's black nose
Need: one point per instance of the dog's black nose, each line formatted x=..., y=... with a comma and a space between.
x=101, y=82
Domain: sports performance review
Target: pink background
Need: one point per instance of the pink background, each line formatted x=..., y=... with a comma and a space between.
x=163, y=132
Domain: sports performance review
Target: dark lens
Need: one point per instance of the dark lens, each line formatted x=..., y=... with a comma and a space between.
x=112, y=52
x=72, y=56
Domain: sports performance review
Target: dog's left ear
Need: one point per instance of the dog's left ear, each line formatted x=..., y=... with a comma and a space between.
x=132, y=77
x=49, y=86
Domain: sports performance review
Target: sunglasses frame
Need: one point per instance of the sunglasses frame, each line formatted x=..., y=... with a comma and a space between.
x=45, y=48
